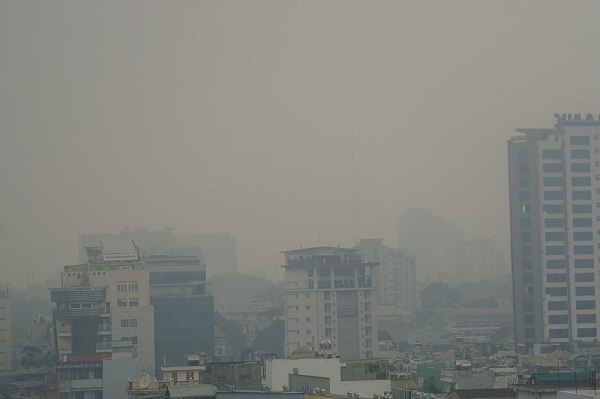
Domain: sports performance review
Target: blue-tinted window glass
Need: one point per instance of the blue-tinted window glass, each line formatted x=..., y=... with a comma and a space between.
x=584, y=277
x=558, y=333
x=581, y=181
x=582, y=222
x=556, y=264
x=528, y=305
x=526, y=263
x=579, y=140
x=584, y=263
x=552, y=167
x=524, y=168
x=552, y=195
x=549, y=182
x=554, y=222
x=580, y=167
x=555, y=236
x=582, y=291
x=523, y=182
x=586, y=318
x=583, y=249
x=586, y=332
x=556, y=291
x=556, y=278
x=528, y=319
x=583, y=236
x=558, y=319
x=581, y=305
x=581, y=195
x=580, y=154
x=552, y=154
x=553, y=209
x=525, y=223
x=555, y=250
x=526, y=250
x=557, y=305
x=582, y=208
x=524, y=196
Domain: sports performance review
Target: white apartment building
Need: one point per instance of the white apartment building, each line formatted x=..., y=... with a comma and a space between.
x=106, y=300
x=5, y=331
x=554, y=181
x=395, y=277
x=329, y=294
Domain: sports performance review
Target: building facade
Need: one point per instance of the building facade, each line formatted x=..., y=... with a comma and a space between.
x=105, y=300
x=554, y=182
x=479, y=260
x=329, y=294
x=184, y=315
x=395, y=278
x=5, y=331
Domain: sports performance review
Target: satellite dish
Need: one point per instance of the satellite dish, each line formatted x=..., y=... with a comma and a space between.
x=144, y=381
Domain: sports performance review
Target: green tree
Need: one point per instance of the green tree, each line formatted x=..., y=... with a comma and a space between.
x=270, y=339
x=482, y=303
x=34, y=356
x=440, y=295
x=431, y=385
x=234, y=332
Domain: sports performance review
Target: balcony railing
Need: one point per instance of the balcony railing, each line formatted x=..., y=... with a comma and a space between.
x=104, y=345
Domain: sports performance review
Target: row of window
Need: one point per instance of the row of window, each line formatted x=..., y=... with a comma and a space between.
x=526, y=263
x=575, y=153
x=528, y=306
x=132, y=302
x=123, y=286
x=561, y=278
x=552, y=250
x=129, y=323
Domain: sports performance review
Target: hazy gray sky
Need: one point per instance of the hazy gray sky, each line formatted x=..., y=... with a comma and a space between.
x=237, y=116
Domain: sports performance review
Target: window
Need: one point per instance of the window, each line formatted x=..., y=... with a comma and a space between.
x=582, y=222
x=553, y=209
x=133, y=323
x=134, y=302
x=121, y=286
x=585, y=305
x=555, y=250
x=558, y=319
x=523, y=182
x=583, y=249
x=580, y=168
x=528, y=319
x=529, y=333
x=552, y=154
x=121, y=302
x=584, y=263
x=526, y=263
x=584, y=277
x=523, y=168
x=581, y=195
x=584, y=291
x=133, y=286
x=528, y=306
x=526, y=250
x=308, y=332
x=523, y=155
x=307, y=307
x=189, y=375
x=308, y=319
x=552, y=167
x=525, y=223
x=586, y=318
x=556, y=291
x=524, y=196
x=556, y=264
x=174, y=376
x=552, y=195
x=581, y=181
x=556, y=278
x=526, y=237
x=580, y=154
x=582, y=208
x=558, y=333
x=554, y=222
x=586, y=332
x=551, y=182
x=555, y=236
x=557, y=305
x=125, y=323
x=579, y=140
x=583, y=236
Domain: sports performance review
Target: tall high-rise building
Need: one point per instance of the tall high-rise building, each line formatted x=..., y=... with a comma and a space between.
x=395, y=277
x=329, y=294
x=104, y=300
x=5, y=331
x=183, y=308
x=554, y=181
x=433, y=241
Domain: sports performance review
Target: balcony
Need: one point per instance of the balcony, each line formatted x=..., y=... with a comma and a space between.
x=63, y=331
x=104, y=329
x=103, y=347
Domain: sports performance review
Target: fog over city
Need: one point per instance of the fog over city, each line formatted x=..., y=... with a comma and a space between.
x=280, y=123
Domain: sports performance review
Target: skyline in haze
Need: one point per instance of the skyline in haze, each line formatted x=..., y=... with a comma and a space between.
x=239, y=117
